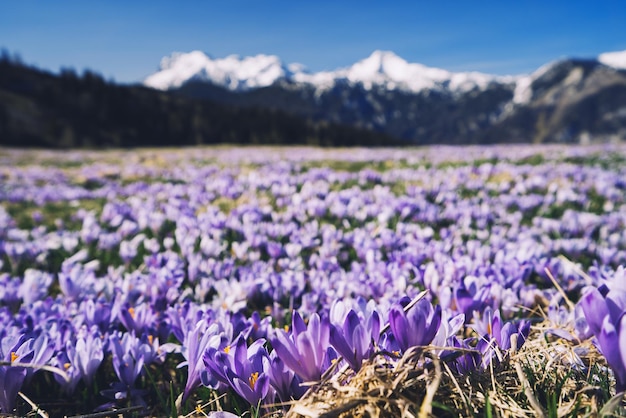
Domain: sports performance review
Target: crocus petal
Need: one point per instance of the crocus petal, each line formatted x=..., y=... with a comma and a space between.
x=374, y=325
x=324, y=333
x=43, y=349
x=338, y=341
x=399, y=327
x=287, y=351
x=595, y=310
x=280, y=377
x=621, y=383
x=352, y=320
x=496, y=326
x=215, y=360
x=262, y=386
x=308, y=357
x=361, y=343
x=416, y=319
x=504, y=337
x=297, y=324
x=244, y=390
x=314, y=326
x=609, y=340
x=435, y=322
x=240, y=356
x=523, y=332
x=616, y=304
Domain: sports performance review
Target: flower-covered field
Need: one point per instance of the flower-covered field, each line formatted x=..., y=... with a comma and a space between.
x=440, y=281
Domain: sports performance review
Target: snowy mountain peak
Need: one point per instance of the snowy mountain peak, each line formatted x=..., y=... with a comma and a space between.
x=232, y=72
x=615, y=59
x=381, y=62
x=381, y=69
x=193, y=58
x=384, y=68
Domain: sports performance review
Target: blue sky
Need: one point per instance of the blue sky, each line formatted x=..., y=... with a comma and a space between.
x=125, y=40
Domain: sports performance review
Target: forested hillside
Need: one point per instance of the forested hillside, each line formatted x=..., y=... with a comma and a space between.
x=41, y=109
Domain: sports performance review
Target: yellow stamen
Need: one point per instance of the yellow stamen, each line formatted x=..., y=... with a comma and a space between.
x=227, y=349
x=66, y=366
x=131, y=311
x=13, y=356
x=150, y=339
x=198, y=409
x=286, y=327
x=252, y=379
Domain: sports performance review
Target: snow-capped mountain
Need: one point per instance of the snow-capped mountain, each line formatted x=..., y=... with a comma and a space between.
x=615, y=59
x=232, y=72
x=381, y=69
x=381, y=100
x=564, y=100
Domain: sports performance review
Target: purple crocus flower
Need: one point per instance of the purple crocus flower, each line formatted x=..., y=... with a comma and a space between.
x=25, y=349
x=305, y=350
x=242, y=368
x=89, y=354
x=140, y=318
x=81, y=358
x=471, y=295
x=96, y=312
x=607, y=320
x=74, y=280
x=284, y=381
x=274, y=249
x=496, y=336
x=128, y=361
x=354, y=341
x=62, y=361
x=417, y=327
x=196, y=342
x=465, y=361
x=448, y=328
x=570, y=324
x=34, y=286
x=42, y=349
x=259, y=327
x=9, y=291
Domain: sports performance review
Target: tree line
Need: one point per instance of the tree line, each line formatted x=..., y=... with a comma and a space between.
x=71, y=110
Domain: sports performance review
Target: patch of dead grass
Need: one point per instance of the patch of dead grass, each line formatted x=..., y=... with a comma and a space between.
x=548, y=376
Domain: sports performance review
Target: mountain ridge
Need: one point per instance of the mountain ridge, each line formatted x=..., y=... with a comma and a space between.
x=544, y=106
x=381, y=68
x=566, y=101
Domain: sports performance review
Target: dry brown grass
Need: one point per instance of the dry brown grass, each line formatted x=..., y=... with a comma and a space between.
x=539, y=380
